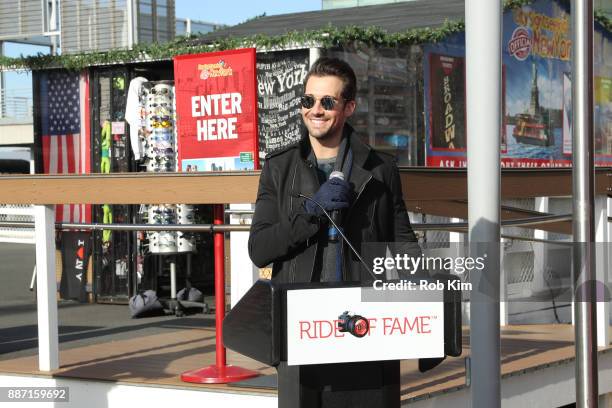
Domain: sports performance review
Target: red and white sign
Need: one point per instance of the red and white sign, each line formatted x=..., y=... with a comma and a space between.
x=520, y=43
x=397, y=330
x=216, y=110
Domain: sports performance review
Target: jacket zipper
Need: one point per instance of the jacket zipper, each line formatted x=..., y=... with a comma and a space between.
x=293, y=263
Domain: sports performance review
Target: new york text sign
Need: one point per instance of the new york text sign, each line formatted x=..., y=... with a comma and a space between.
x=216, y=110
x=395, y=330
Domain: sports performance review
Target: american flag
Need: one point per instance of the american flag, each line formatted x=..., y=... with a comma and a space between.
x=65, y=132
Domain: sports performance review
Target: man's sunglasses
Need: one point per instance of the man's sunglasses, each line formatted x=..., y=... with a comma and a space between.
x=327, y=102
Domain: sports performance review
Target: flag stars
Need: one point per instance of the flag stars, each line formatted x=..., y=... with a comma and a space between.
x=63, y=103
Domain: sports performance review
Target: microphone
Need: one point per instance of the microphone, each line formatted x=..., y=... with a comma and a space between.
x=363, y=263
x=336, y=215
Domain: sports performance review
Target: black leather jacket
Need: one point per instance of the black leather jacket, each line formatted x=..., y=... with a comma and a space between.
x=285, y=235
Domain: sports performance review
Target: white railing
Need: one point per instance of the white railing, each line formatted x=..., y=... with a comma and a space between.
x=17, y=213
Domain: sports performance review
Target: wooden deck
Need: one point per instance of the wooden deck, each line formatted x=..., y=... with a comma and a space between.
x=159, y=359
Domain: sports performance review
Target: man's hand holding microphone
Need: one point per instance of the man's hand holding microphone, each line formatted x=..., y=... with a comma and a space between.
x=334, y=195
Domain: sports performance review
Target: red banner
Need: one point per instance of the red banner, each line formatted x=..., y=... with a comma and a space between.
x=216, y=110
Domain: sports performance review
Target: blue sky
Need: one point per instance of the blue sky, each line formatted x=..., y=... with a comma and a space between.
x=236, y=11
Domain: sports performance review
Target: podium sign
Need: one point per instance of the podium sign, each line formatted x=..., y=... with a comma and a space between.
x=398, y=330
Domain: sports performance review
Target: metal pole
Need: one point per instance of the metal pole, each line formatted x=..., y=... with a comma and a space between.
x=173, y=280
x=209, y=228
x=135, y=21
x=130, y=24
x=483, y=76
x=585, y=310
x=54, y=45
x=219, y=286
x=2, y=86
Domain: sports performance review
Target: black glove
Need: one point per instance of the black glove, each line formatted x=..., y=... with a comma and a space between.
x=334, y=194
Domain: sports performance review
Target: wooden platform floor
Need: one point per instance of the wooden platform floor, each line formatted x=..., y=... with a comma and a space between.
x=160, y=359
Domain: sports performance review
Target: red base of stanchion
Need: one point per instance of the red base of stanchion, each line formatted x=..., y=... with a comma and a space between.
x=218, y=375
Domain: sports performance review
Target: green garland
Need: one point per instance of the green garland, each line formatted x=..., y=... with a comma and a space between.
x=326, y=37
x=602, y=19
x=512, y=4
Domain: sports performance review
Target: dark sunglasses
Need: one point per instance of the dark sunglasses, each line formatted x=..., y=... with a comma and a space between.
x=160, y=91
x=165, y=159
x=156, y=104
x=166, y=211
x=163, y=220
x=165, y=167
x=327, y=102
x=166, y=150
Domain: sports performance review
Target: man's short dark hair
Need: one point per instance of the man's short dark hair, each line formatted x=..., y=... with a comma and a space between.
x=327, y=66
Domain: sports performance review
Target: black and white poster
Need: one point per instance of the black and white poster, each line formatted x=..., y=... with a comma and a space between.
x=280, y=77
x=76, y=248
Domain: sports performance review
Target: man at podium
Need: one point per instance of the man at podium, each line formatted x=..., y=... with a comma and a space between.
x=330, y=168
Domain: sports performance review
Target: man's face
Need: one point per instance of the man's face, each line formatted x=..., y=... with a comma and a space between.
x=326, y=124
